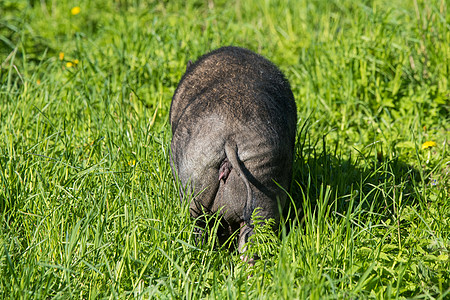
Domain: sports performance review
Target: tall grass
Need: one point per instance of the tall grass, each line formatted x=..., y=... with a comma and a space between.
x=90, y=209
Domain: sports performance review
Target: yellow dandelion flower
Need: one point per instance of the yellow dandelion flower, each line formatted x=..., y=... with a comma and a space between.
x=38, y=82
x=428, y=144
x=75, y=61
x=61, y=55
x=132, y=163
x=69, y=64
x=75, y=10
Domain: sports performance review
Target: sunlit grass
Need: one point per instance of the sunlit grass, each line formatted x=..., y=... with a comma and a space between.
x=89, y=207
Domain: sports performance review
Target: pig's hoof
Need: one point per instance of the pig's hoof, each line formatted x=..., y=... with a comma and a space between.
x=200, y=236
x=251, y=261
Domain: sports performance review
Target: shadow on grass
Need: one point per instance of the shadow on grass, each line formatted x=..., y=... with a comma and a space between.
x=371, y=185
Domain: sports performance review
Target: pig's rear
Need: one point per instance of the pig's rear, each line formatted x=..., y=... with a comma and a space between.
x=236, y=107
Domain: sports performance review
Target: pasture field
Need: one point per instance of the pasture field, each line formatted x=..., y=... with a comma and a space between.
x=89, y=208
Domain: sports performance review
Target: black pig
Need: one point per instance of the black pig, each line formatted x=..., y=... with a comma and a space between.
x=233, y=119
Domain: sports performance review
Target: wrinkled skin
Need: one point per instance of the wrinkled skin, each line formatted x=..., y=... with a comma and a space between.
x=233, y=119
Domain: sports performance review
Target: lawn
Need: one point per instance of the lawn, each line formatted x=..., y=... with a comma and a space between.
x=89, y=207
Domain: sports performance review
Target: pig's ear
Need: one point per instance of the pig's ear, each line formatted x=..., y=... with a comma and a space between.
x=189, y=64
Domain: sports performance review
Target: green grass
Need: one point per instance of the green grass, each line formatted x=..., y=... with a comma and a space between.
x=89, y=208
